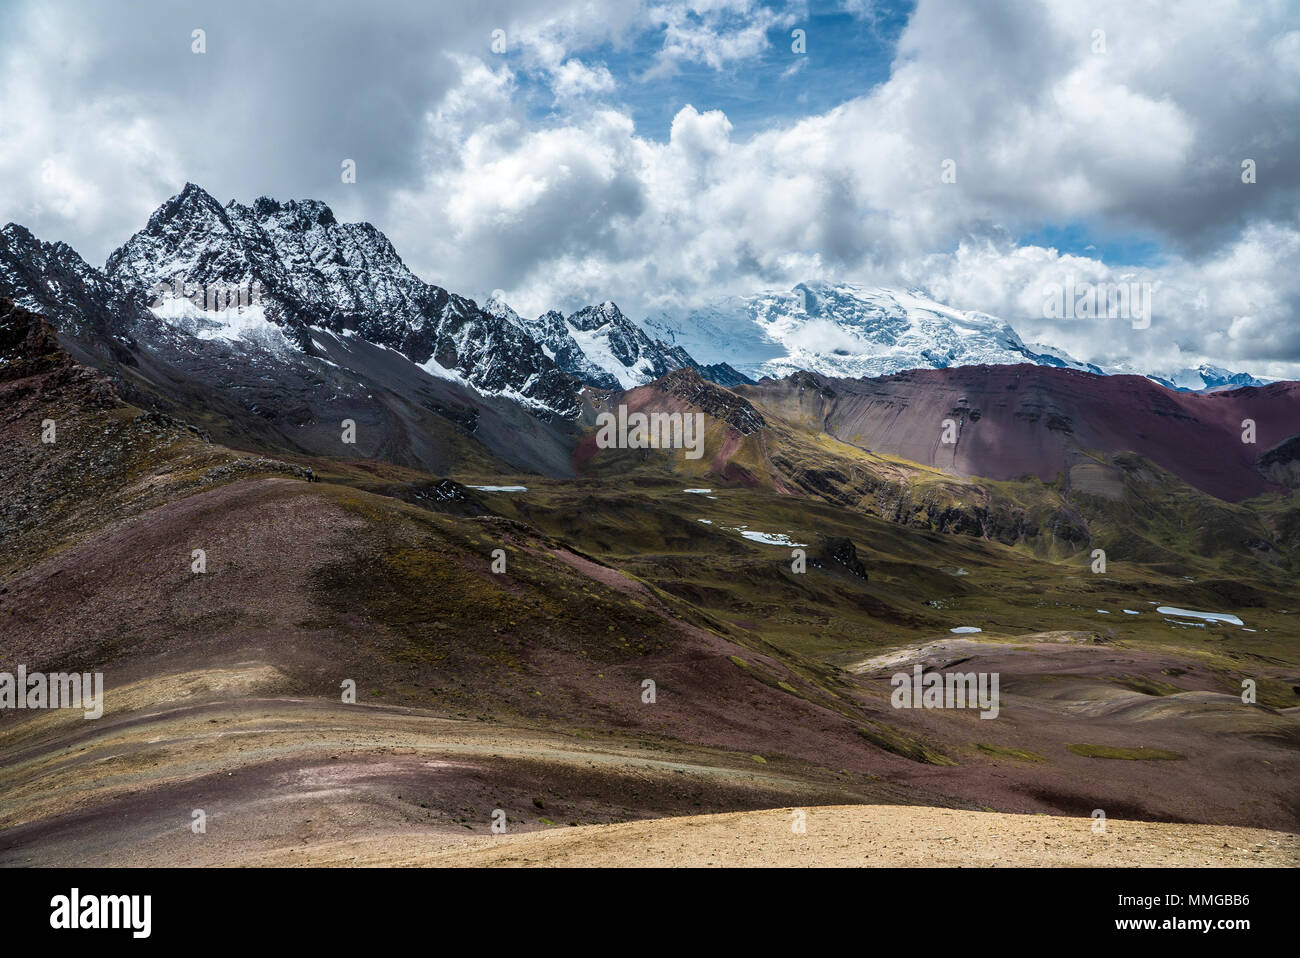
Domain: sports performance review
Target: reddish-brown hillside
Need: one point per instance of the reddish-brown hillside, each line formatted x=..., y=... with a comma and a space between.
x=1016, y=420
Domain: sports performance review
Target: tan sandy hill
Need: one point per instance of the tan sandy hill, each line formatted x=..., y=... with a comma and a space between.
x=838, y=836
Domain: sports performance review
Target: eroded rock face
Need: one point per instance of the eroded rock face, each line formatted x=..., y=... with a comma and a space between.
x=839, y=551
x=24, y=337
x=1281, y=464
x=52, y=279
x=691, y=387
x=33, y=364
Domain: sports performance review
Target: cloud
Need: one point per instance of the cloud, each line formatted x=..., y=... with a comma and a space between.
x=112, y=97
x=716, y=33
x=527, y=171
x=1239, y=304
x=573, y=78
x=60, y=144
x=1042, y=129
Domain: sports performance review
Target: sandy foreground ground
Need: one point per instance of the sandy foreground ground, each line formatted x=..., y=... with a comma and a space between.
x=840, y=835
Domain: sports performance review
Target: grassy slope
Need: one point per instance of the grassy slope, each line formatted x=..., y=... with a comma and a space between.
x=406, y=599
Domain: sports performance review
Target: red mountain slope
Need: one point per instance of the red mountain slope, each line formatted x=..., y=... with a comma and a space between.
x=1016, y=420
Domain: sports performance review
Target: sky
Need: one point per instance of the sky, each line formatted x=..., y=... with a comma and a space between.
x=665, y=153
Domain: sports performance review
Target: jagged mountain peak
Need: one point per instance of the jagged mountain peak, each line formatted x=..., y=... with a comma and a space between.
x=193, y=234
x=594, y=317
x=494, y=305
x=306, y=213
x=600, y=346
x=17, y=231
x=191, y=201
x=621, y=348
x=312, y=271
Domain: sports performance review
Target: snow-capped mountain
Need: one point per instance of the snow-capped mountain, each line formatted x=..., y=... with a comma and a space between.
x=552, y=333
x=289, y=280
x=1044, y=355
x=840, y=329
x=851, y=331
x=600, y=346
x=301, y=269
x=1205, y=378
x=617, y=345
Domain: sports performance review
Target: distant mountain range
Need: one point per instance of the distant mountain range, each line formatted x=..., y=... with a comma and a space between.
x=843, y=330
x=850, y=331
x=302, y=289
x=1202, y=378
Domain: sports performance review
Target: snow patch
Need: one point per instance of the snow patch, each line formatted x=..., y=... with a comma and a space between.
x=235, y=324
x=1207, y=616
x=771, y=538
